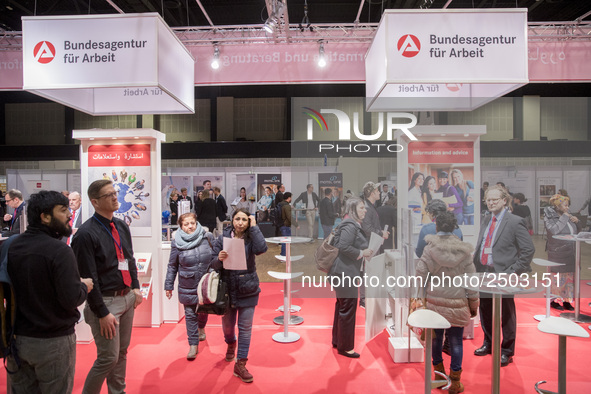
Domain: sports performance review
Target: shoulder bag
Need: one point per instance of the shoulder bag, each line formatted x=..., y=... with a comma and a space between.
x=326, y=254
x=213, y=294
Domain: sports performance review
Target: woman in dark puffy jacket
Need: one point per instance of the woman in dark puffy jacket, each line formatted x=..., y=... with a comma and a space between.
x=352, y=247
x=190, y=256
x=243, y=287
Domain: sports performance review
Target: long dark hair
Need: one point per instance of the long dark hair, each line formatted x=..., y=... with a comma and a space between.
x=425, y=187
x=246, y=234
x=414, y=178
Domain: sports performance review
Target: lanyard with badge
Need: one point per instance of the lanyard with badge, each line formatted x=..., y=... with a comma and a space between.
x=123, y=263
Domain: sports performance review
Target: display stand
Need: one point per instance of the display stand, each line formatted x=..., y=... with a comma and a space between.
x=287, y=276
x=172, y=310
x=548, y=264
x=577, y=316
x=131, y=158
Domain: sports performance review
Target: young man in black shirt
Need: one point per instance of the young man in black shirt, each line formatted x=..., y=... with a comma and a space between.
x=104, y=252
x=48, y=290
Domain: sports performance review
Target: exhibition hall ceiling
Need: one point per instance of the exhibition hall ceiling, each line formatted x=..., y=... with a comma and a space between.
x=185, y=13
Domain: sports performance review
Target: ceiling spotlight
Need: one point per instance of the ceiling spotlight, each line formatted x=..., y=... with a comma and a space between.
x=305, y=24
x=215, y=63
x=274, y=19
x=321, y=57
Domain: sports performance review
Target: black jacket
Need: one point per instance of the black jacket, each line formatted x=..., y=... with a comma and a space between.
x=243, y=286
x=206, y=213
x=304, y=197
x=15, y=224
x=326, y=211
x=46, y=282
x=221, y=208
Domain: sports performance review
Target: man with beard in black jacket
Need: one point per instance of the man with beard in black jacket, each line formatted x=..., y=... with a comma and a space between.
x=48, y=289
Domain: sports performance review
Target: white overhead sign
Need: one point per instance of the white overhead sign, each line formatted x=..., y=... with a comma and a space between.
x=108, y=64
x=445, y=59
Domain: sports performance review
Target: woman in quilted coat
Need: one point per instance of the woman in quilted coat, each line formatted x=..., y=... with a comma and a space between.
x=447, y=256
x=190, y=257
x=243, y=287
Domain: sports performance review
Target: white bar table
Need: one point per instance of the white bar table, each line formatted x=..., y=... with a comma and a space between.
x=490, y=285
x=293, y=308
x=577, y=316
x=548, y=264
x=287, y=337
x=430, y=320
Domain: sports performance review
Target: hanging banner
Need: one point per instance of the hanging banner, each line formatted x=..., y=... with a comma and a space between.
x=445, y=59
x=119, y=155
x=548, y=61
x=108, y=64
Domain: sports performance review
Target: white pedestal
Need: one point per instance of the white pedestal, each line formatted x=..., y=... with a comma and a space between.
x=398, y=349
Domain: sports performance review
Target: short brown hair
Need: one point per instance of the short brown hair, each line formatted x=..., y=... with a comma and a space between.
x=186, y=216
x=94, y=190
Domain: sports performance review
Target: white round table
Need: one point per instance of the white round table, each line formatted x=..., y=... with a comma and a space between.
x=286, y=336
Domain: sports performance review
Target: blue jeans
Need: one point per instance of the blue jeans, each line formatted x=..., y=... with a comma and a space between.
x=468, y=219
x=456, y=346
x=194, y=321
x=245, y=317
x=285, y=231
x=47, y=365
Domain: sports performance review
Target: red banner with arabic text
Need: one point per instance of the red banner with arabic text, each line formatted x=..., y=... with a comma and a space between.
x=119, y=155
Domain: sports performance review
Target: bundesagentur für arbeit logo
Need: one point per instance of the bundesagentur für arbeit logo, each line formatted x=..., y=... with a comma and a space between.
x=409, y=45
x=44, y=52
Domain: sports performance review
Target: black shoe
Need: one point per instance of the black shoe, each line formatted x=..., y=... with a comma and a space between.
x=483, y=350
x=334, y=346
x=350, y=355
x=556, y=306
x=567, y=306
x=362, y=304
x=506, y=360
x=445, y=349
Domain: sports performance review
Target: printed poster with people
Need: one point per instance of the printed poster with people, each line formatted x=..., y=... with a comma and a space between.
x=128, y=167
x=442, y=170
x=267, y=187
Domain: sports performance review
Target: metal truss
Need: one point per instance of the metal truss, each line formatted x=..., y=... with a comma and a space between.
x=559, y=31
x=254, y=34
x=341, y=33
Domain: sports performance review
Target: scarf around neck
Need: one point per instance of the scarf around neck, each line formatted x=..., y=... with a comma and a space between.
x=186, y=241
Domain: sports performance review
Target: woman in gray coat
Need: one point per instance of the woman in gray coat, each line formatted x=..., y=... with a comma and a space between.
x=446, y=256
x=190, y=257
x=558, y=221
x=345, y=272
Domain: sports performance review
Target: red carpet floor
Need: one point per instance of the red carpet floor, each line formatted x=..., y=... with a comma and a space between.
x=157, y=364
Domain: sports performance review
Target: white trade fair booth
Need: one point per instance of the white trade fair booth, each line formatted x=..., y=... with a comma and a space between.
x=435, y=60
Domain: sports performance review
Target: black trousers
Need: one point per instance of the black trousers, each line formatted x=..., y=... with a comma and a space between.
x=343, y=326
x=508, y=322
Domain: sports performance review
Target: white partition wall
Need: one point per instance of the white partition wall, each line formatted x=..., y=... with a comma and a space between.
x=131, y=159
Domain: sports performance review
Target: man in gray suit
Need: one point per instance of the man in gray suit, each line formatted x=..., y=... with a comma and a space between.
x=504, y=245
